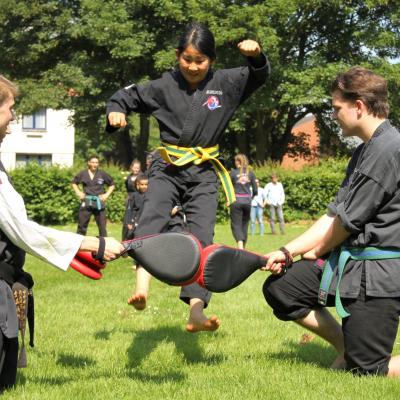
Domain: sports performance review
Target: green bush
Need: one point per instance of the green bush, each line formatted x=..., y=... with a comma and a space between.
x=50, y=199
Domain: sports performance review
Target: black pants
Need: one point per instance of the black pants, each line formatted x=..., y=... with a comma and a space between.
x=240, y=218
x=8, y=361
x=370, y=331
x=169, y=185
x=84, y=218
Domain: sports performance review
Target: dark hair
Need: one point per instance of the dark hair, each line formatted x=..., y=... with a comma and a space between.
x=200, y=37
x=362, y=84
x=141, y=177
x=93, y=156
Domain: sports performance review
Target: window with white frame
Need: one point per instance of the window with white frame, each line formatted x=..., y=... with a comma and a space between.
x=36, y=121
x=21, y=160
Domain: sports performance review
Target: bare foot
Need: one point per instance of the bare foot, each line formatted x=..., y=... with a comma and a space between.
x=210, y=324
x=138, y=301
x=339, y=362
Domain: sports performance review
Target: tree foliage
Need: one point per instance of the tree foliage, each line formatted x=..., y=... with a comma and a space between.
x=76, y=53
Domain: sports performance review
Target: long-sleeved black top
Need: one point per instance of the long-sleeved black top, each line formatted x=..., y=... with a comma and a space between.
x=189, y=117
x=244, y=183
x=368, y=204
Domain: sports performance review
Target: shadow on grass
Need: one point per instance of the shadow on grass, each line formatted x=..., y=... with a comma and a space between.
x=145, y=342
x=69, y=360
x=43, y=380
x=310, y=353
x=103, y=334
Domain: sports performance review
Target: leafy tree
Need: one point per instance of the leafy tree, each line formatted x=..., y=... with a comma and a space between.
x=76, y=53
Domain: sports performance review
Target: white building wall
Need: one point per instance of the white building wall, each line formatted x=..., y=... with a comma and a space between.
x=56, y=141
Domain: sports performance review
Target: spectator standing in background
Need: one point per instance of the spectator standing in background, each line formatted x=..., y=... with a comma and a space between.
x=244, y=183
x=257, y=210
x=130, y=185
x=93, y=196
x=134, y=169
x=274, y=198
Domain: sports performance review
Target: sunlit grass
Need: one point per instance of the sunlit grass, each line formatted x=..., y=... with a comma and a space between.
x=91, y=345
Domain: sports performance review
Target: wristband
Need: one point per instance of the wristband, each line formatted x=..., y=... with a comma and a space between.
x=100, y=252
x=288, y=259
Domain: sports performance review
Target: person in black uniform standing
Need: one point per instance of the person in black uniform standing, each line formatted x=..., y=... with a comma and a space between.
x=134, y=205
x=244, y=183
x=130, y=185
x=93, y=198
x=193, y=105
x=359, y=237
x=130, y=182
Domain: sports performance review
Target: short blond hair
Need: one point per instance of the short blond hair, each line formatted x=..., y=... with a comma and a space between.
x=7, y=90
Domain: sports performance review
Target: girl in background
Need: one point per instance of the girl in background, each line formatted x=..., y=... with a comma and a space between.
x=193, y=105
x=244, y=183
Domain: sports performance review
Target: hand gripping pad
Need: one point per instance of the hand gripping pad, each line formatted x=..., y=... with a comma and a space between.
x=171, y=257
x=226, y=267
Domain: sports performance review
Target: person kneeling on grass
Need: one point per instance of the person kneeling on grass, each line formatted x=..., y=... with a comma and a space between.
x=359, y=238
x=19, y=235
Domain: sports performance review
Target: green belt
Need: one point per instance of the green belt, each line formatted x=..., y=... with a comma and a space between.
x=96, y=199
x=339, y=258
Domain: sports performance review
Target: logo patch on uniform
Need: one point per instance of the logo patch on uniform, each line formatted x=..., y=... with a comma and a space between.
x=212, y=103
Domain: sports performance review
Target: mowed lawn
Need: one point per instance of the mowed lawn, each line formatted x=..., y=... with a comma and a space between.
x=90, y=344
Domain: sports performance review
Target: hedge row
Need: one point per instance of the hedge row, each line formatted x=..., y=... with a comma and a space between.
x=50, y=199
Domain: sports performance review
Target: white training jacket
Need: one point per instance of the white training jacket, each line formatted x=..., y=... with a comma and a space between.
x=56, y=247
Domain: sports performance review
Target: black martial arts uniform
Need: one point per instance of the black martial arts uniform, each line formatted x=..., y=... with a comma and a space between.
x=130, y=184
x=368, y=204
x=188, y=118
x=92, y=187
x=245, y=187
x=133, y=211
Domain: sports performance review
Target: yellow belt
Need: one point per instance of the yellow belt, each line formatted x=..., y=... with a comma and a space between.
x=198, y=155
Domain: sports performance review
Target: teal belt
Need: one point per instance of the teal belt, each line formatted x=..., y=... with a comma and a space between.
x=339, y=258
x=95, y=199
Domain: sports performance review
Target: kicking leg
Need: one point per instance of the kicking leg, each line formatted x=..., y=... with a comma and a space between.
x=139, y=298
x=198, y=321
x=394, y=367
x=200, y=204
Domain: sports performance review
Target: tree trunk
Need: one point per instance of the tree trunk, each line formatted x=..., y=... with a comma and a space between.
x=261, y=138
x=125, y=149
x=143, y=139
x=241, y=142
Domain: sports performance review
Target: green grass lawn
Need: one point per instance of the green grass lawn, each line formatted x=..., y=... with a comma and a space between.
x=91, y=345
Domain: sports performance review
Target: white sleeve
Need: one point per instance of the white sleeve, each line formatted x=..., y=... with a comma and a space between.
x=56, y=247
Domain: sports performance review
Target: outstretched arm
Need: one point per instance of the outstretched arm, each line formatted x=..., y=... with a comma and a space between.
x=56, y=247
x=303, y=244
